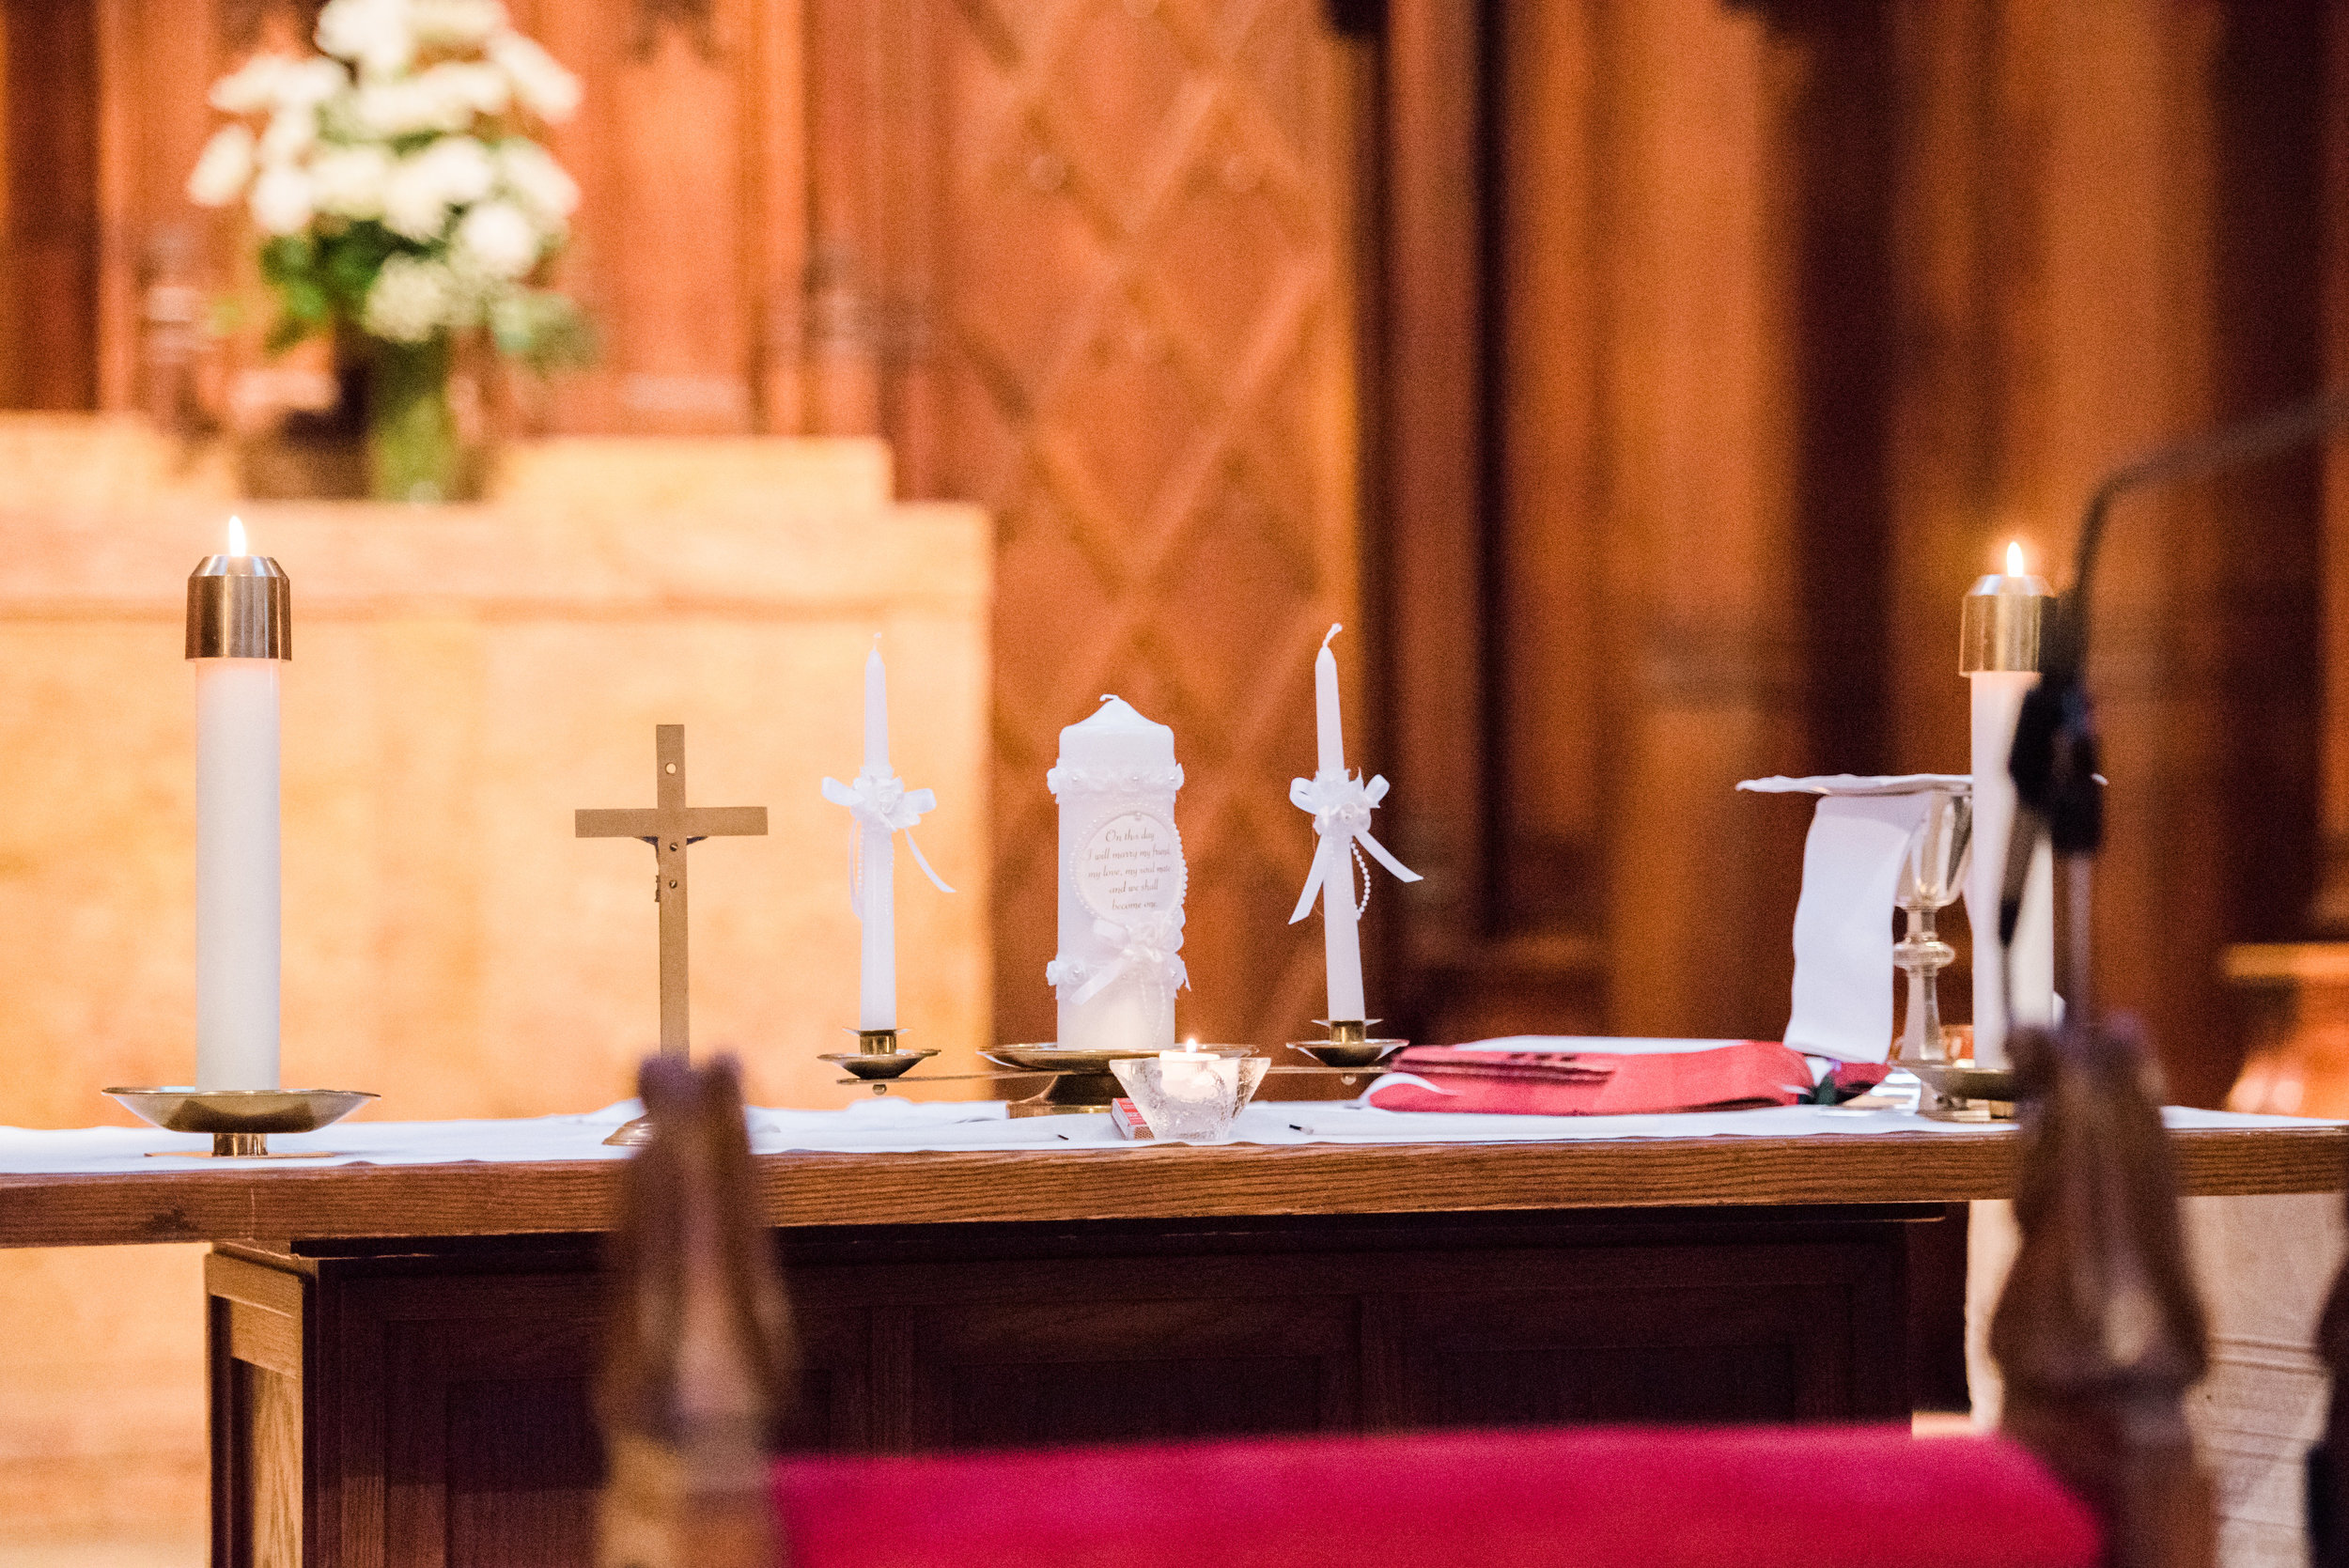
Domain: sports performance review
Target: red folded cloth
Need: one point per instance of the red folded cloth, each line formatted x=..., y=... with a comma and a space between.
x=1596, y=1084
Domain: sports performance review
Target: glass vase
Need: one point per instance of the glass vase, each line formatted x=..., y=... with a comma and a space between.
x=414, y=453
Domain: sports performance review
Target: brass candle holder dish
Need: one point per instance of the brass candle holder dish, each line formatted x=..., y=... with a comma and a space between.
x=1080, y=1077
x=240, y=1120
x=878, y=1058
x=1349, y=1047
x=1961, y=1092
x=1081, y=1080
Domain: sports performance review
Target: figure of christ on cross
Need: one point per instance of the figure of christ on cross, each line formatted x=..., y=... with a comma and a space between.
x=671, y=827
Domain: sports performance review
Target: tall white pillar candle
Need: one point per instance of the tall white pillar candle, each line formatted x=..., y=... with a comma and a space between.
x=1341, y=936
x=877, y=858
x=1121, y=882
x=239, y=627
x=1998, y=655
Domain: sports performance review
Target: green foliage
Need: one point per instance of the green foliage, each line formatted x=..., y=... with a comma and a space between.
x=544, y=330
x=322, y=279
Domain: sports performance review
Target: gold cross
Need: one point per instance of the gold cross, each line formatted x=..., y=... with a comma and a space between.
x=671, y=827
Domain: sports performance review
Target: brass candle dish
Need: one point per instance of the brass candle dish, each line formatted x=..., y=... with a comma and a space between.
x=1080, y=1077
x=240, y=1120
x=1961, y=1092
x=1351, y=1045
x=878, y=1059
x=1081, y=1080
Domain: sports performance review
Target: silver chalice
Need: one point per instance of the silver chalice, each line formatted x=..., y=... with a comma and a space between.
x=1930, y=879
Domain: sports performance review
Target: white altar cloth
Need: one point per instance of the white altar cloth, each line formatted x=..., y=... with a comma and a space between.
x=894, y=1125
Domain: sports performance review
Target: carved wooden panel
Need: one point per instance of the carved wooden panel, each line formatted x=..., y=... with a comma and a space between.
x=1144, y=351
x=422, y=1403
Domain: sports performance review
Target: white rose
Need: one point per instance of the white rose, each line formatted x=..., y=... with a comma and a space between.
x=307, y=83
x=454, y=171
x=281, y=200
x=408, y=106
x=224, y=165
x=544, y=88
x=412, y=202
x=374, y=34
x=468, y=88
x=463, y=168
x=348, y=181
x=457, y=24
x=251, y=87
x=538, y=181
x=497, y=238
x=291, y=133
x=411, y=300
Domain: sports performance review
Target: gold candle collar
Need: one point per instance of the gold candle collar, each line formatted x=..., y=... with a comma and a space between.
x=240, y=607
x=2000, y=630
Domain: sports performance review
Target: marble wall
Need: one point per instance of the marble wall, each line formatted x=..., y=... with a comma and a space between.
x=463, y=677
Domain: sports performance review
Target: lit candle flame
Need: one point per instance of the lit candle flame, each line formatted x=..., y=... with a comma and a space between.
x=236, y=537
x=2015, y=558
x=1191, y=1044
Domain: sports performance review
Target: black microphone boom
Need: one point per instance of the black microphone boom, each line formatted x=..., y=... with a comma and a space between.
x=2059, y=793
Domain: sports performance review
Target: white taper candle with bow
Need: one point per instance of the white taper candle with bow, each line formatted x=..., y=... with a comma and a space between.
x=1122, y=882
x=1341, y=804
x=880, y=807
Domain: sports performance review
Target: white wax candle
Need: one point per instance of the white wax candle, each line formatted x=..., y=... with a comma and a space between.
x=1328, y=728
x=1997, y=702
x=877, y=966
x=1341, y=937
x=1192, y=1074
x=876, y=909
x=237, y=884
x=876, y=714
x=1120, y=866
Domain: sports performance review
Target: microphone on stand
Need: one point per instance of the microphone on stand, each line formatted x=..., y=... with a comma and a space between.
x=2059, y=790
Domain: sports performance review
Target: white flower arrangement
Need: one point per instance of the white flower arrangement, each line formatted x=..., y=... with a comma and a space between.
x=395, y=178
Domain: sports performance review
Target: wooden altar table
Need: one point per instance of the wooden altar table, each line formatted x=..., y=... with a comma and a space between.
x=400, y=1355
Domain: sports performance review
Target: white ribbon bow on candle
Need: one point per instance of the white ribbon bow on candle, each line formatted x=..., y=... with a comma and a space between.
x=1340, y=806
x=1151, y=947
x=888, y=805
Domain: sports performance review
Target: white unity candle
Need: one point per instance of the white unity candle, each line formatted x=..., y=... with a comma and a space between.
x=239, y=627
x=1340, y=933
x=2000, y=657
x=1121, y=882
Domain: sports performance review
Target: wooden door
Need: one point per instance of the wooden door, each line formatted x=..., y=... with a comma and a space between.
x=1144, y=363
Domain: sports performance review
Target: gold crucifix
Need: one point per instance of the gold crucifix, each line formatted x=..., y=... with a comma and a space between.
x=671, y=827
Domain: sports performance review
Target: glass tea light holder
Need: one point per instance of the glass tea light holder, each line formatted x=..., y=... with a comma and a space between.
x=1191, y=1095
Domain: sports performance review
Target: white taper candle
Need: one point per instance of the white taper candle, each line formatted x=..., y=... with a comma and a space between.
x=1341, y=934
x=876, y=713
x=877, y=910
